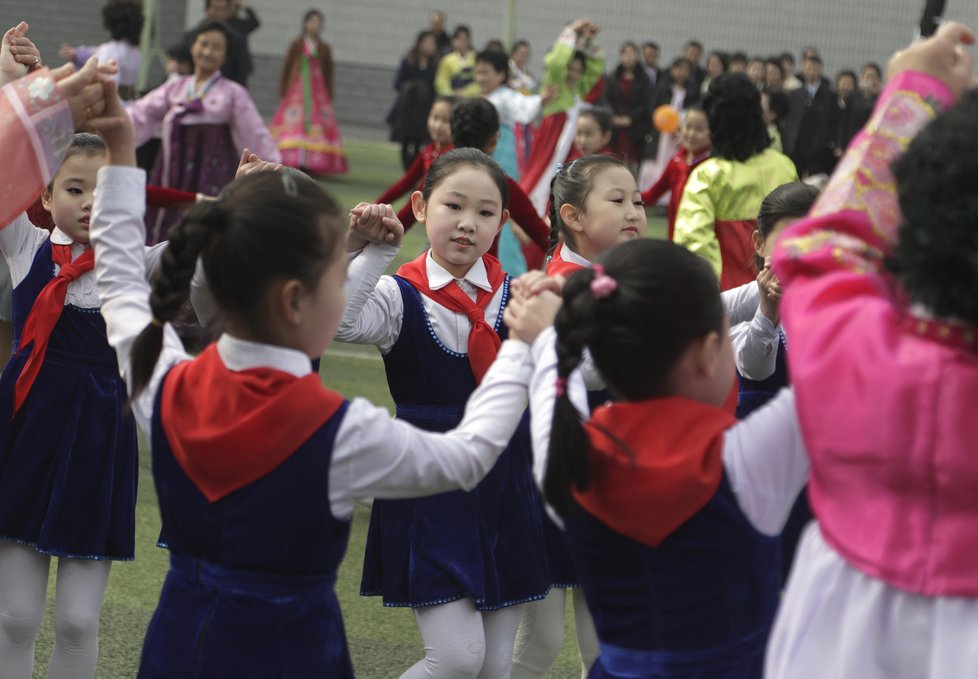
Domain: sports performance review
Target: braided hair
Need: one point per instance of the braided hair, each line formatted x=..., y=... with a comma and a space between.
x=474, y=123
x=264, y=228
x=666, y=298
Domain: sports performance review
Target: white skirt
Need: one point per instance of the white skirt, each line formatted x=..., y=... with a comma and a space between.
x=838, y=622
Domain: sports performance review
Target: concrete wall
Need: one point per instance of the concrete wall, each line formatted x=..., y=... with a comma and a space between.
x=369, y=36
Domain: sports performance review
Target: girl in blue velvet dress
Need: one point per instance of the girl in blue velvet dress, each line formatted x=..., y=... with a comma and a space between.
x=671, y=507
x=256, y=465
x=465, y=562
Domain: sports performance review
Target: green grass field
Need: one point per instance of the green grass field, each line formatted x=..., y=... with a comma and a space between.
x=383, y=641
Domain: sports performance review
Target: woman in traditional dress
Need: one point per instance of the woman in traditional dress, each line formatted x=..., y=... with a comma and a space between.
x=305, y=126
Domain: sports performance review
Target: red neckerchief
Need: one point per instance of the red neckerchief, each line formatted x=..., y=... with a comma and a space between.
x=669, y=466
x=484, y=343
x=558, y=266
x=430, y=154
x=47, y=309
x=229, y=428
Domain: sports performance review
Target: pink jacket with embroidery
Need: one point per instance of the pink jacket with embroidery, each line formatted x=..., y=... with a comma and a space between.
x=886, y=400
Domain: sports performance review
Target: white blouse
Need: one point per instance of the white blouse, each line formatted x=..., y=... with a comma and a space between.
x=755, y=345
x=375, y=311
x=373, y=454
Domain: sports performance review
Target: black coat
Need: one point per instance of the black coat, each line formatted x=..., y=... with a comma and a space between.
x=810, y=134
x=638, y=105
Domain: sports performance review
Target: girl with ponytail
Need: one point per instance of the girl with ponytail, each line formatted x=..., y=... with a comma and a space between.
x=256, y=465
x=667, y=501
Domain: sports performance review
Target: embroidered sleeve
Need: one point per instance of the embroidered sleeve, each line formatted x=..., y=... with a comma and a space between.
x=36, y=129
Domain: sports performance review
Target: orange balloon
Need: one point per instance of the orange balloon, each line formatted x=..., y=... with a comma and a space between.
x=666, y=119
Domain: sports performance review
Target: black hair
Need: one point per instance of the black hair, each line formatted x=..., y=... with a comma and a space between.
x=846, y=73
x=265, y=227
x=581, y=57
x=788, y=201
x=666, y=299
x=462, y=28
x=310, y=13
x=474, y=123
x=519, y=43
x=447, y=163
x=571, y=186
x=724, y=58
x=740, y=57
x=650, y=43
x=733, y=108
x=681, y=61
x=774, y=61
x=695, y=43
x=215, y=25
x=873, y=65
x=180, y=52
x=787, y=55
x=494, y=45
x=82, y=144
x=600, y=115
x=936, y=256
x=499, y=61
x=123, y=19
x=778, y=103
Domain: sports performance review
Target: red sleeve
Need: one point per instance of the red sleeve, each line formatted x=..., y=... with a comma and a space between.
x=523, y=213
x=409, y=182
x=159, y=196
x=657, y=190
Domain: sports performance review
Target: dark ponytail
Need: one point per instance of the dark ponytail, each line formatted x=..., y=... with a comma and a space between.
x=567, y=459
x=171, y=286
x=665, y=298
x=266, y=227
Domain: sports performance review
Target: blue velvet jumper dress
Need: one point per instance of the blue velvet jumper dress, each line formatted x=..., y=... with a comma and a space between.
x=68, y=461
x=250, y=590
x=698, y=606
x=487, y=543
x=753, y=395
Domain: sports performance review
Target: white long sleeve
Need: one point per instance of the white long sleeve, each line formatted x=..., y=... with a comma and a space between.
x=741, y=303
x=118, y=234
x=763, y=456
x=374, y=308
x=755, y=347
x=377, y=456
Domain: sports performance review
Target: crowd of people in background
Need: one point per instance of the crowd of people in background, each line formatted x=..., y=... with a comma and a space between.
x=812, y=118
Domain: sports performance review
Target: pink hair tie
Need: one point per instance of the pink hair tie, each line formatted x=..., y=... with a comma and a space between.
x=561, y=386
x=603, y=285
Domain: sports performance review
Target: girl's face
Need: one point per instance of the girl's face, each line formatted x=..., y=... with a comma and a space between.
x=628, y=57
x=773, y=76
x=714, y=65
x=521, y=56
x=440, y=123
x=575, y=69
x=613, y=213
x=461, y=43
x=428, y=47
x=755, y=71
x=590, y=138
x=209, y=52
x=321, y=309
x=487, y=77
x=845, y=85
x=313, y=25
x=764, y=247
x=462, y=216
x=72, y=190
x=696, y=132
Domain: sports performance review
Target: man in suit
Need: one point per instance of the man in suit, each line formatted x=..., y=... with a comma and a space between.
x=811, y=121
x=650, y=61
x=693, y=51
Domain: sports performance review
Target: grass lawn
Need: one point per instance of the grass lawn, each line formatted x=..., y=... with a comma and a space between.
x=383, y=641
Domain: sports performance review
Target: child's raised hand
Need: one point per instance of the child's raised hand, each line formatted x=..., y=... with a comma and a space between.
x=527, y=317
x=250, y=164
x=373, y=224
x=549, y=94
x=84, y=90
x=943, y=56
x=115, y=127
x=66, y=52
